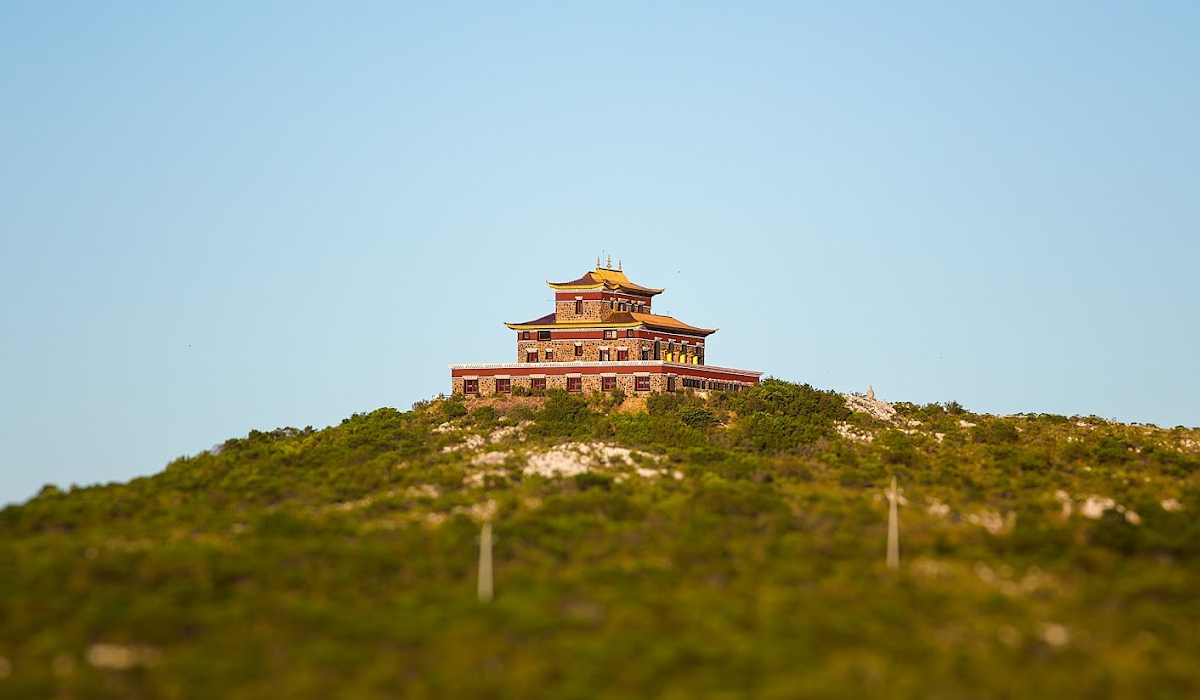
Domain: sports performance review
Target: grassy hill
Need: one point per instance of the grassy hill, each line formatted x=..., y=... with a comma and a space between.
x=680, y=547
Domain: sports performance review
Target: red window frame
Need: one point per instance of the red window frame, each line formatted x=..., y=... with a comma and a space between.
x=537, y=383
x=578, y=350
x=608, y=383
x=503, y=386
x=579, y=307
x=531, y=355
x=622, y=356
x=641, y=383
x=605, y=355
x=574, y=383
x=470, y=386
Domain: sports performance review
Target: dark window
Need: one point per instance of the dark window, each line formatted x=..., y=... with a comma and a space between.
x=579, y=307
x=670, y=383
x=524, y=335
x=658, y=349
x=604, y=355
x=578, y=350
x=549, y=354
x=608, y=383
x=543, y=335
x=641, y=383
x=629, y=333
x=503, y=386
x=622, y=355
x=531, y=355
x=645, y=353
x=574, y=383
x=470, y=386
x=537, y=383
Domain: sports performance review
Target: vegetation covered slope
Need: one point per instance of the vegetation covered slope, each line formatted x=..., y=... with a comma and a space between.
x=727, y=546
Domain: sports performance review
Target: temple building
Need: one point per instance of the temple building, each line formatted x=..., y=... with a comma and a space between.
x=603, y=335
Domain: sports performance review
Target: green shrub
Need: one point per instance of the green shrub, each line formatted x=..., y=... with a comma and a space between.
x=452, y=408
x=566, y=415
x=592, y=480
x=995, y=432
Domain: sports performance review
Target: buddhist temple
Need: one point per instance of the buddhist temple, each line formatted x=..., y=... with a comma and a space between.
x=603, y=335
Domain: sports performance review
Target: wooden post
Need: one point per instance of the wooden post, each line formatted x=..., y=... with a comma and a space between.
x=893, y=536
x=485, y=563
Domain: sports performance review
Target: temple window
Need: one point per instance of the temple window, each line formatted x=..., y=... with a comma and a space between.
x=641, y=383
x=503, y=386
x=574, y=383
x=470, y=386
x=608, y=383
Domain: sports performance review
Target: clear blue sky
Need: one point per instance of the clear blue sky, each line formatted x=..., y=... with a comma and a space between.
x=218, y=217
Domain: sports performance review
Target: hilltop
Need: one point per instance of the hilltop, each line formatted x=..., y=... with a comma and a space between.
x=728, y=545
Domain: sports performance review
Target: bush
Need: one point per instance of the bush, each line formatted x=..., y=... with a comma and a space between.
x=591, y=480
x=565, y=415
x=995, y=432
x=453, y=408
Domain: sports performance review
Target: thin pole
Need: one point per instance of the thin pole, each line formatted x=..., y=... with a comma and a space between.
x=893, y=537
x=485, y=563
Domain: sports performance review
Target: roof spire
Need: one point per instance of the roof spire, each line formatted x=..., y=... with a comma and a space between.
x=609, y=265
x=597, y=262
x=618, y=265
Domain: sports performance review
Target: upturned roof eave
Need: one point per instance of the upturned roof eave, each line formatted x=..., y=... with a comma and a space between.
x=593, y=281
x=670, y=323
x=534, y=325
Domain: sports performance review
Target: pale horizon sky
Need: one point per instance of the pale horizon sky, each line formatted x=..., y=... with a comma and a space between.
x=240, y=216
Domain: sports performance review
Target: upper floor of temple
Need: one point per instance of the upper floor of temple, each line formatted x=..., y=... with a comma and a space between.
x=604, y=305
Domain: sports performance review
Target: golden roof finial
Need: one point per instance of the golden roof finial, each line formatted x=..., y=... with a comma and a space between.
x=618, y=265
x=609, y=265
x=597, y=262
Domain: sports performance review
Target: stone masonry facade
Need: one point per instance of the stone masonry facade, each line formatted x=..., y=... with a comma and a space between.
x=564, y=350
x=590, y=383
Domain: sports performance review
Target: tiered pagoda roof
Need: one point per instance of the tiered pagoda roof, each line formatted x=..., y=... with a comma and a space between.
x=606, y=279
x=617, y=319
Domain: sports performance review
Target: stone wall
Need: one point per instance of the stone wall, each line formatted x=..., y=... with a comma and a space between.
x=593, y=310
x=626, y=382
x=564, y=350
